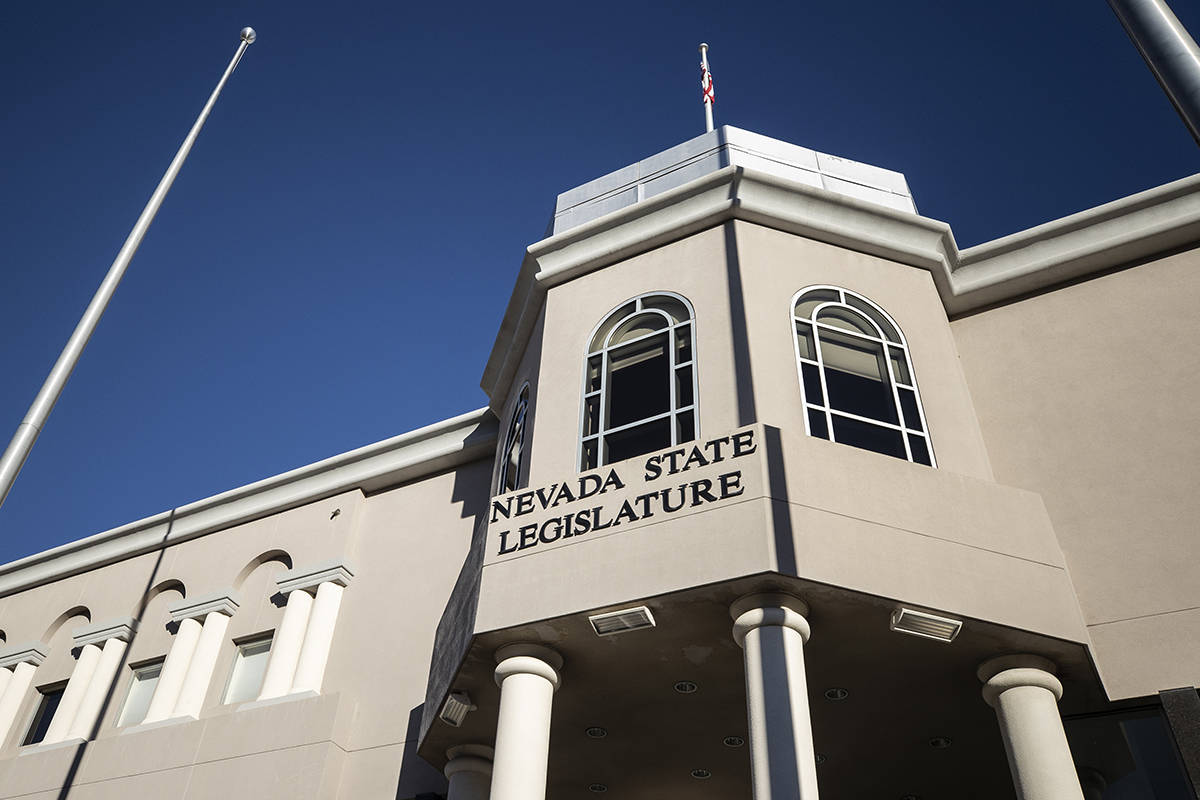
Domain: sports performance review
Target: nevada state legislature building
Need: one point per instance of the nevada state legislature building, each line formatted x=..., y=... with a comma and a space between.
x=778, y=492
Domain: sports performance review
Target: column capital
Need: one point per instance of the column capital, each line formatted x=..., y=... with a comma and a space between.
x=100, y=632
x=534, y=659
x=1010, y=672
x=33, y=652
x=774, y=608
x=469, y=758
x=309, y=578
x=224, y=602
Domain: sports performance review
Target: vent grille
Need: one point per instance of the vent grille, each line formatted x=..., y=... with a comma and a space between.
x=928, y=626
x=455, y=709
x=623, y=621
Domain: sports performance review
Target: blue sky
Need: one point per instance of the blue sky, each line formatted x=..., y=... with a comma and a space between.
x=331, y=266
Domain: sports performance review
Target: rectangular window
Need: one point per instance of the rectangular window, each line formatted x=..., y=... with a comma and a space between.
x=249, y=666
x=141, y=689
x=47, y=705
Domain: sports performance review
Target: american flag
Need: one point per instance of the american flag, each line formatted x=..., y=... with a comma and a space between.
x=706, y=84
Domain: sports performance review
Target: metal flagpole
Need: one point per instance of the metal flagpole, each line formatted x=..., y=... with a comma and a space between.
x=706, y=86
x=27, y=432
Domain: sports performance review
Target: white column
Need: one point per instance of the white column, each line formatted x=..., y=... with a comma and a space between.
x=285, y=645
x=204, y=659
x=314, y=653
x=99, y=688
x=77, y=685
x=528, y=676
x=1025, y=694
x=170, y=681
x=20, y=662
x=5, y=676
x=771, y=629
x=469, y=771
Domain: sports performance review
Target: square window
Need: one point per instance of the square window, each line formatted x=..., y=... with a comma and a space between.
x=141, y=690
x=47, y=705
x=249, y=666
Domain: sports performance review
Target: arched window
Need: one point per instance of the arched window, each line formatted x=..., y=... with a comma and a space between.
x=512, y=457
x=855, y=375
x=639, y=391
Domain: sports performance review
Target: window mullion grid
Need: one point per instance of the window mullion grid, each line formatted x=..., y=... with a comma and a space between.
x=672, y=332
x=643, y=421
x=824, y=386
x=887, y=360
x=602, y=422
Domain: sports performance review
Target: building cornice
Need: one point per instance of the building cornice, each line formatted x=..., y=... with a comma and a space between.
x=407, y=457
x=1091, y=242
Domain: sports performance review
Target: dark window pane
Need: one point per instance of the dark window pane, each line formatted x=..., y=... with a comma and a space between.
x=804, y=340
x=686, y=427
x=590, y=453
x=920, y=450
x=856, y=377
x=638, y=440
x=900, y=366
x=816, y=423
x=593, y=376
x=591, y=423
x=683, y=387
x=683, y=344
x=812, y=384
x=638, y=381
x=41, y=719
x=868, y=436
x=908, y=402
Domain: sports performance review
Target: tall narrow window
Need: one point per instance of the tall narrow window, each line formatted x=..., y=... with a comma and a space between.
x=141, y=689
x=856, y=378
x=249, y=666
x=639, y=391
x=47, y=705
x=512, y=457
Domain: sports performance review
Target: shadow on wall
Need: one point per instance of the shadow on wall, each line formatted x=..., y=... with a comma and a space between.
x=146, y=596
x=416, y=774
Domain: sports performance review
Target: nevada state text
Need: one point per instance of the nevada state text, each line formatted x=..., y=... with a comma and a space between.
x=640, y=507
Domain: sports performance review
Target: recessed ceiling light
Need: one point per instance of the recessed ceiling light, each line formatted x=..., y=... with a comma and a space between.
x=820, y=759
x=686, y=687
x=836, y=693
x=925, y=625
x=596, y=732
x=598, y=788
x=911, y=797
x=701, y=774
x=734, y=741
x=940, y=742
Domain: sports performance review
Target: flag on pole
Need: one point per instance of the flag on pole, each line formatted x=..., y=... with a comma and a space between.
x=708, y=94
x=706, y=84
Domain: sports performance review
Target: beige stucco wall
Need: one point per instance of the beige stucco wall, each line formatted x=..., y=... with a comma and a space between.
x=1087, y=395
x=405, y=546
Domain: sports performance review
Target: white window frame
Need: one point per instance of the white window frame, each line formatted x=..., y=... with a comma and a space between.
x=134, y=679
x=888, y=344
x=611, y=321
x=242, y=645
x=517, y=426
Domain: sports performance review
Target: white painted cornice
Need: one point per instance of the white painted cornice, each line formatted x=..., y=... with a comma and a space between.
x=407, y=457
x=100, y=632
x=1091, y=242
x=338, y=572
x=33, y=652
x=224, y=602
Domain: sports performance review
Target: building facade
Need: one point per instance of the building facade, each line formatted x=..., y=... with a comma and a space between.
x=777, y=492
